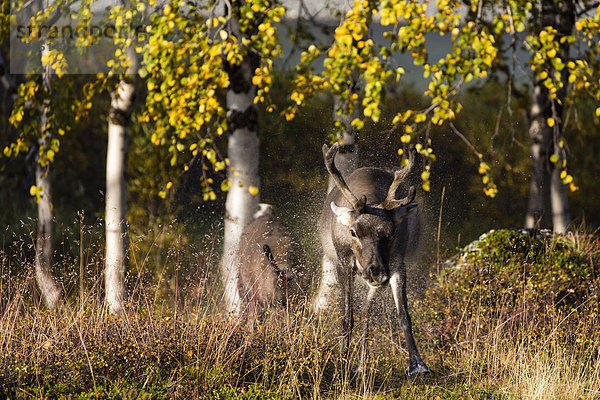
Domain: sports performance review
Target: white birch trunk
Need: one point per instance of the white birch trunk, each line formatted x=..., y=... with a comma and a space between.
x=44, y=248
x=547, y=192
x=51, y=292
x=116, y=257
x=240, y=206
x=540, y=136
x=564, y=16
x=243, y=154
x=561, y=217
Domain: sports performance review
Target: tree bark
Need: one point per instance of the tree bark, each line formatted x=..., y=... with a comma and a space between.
x=243, y=154
x=540, y=138
x=561, y=218
x=547, y=193
x=51, y=292
x=564, y=14
x=116, y=257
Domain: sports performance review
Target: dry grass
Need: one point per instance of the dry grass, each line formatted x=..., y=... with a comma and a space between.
x=187, y=349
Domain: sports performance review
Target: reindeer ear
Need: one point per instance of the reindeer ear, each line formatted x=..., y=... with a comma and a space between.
x=401, y=213
x=343, y=214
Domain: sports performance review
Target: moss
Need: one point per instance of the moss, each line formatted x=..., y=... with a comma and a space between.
x=509, y=282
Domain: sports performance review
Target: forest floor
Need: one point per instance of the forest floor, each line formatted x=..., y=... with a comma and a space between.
x=510, y=316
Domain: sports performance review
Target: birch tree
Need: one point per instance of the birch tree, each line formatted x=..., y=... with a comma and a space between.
x=243, y=153
x=189, y=61
x=116, y=256
x=557, y=19
x=44, y=109
x=44, y=149
x=44, y=247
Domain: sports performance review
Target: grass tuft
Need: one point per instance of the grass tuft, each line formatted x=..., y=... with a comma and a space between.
x=511, y=317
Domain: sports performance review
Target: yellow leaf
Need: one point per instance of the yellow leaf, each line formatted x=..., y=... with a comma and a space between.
x=483, y=168
x=550, y=122
x=420, y=118
x=33, y=190
x=253, y=190
x=169, y=185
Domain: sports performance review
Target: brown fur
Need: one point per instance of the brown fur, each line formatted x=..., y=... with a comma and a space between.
x=268, y=280
x=367, y=230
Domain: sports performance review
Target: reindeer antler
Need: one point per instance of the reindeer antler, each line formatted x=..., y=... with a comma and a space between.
x=329, y=156
x=390, y=201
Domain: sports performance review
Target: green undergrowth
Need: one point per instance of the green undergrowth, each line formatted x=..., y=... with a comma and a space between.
x=521, y=312
x=510, y=316
x=509, y=282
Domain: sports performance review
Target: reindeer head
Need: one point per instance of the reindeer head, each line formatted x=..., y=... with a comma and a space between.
x=371, y=230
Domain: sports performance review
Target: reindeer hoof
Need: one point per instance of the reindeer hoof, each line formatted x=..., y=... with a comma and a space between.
x=419, y=368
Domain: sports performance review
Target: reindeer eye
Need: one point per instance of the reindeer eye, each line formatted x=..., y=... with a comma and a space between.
x=353, y=232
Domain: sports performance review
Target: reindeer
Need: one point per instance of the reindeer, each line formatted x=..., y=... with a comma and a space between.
x=269, y=264
x=364, y=229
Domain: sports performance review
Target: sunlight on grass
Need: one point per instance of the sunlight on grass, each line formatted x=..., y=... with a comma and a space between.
x=517, y=318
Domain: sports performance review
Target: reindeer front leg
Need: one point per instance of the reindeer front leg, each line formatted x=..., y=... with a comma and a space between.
x=365, y=320
x=328, y=288
x=398, y=285
x=347, y=282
